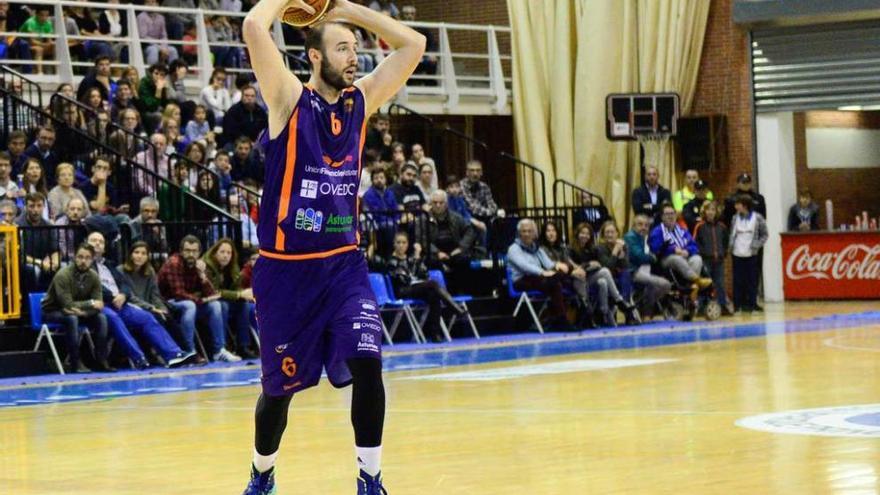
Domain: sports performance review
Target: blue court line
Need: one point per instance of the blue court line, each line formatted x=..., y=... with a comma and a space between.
x=52, y=389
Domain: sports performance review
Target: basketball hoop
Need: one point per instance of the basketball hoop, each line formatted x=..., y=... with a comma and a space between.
x=653, y=147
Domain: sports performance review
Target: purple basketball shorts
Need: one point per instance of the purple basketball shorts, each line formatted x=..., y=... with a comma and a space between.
x=314, y=314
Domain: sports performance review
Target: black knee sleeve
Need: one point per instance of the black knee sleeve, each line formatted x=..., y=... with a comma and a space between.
x=367, y=401
x=271, y=420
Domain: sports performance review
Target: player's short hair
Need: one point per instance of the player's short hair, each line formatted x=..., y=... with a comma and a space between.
x=85, y=246
x=34, y=197
x=409, y=166
x=190, y=239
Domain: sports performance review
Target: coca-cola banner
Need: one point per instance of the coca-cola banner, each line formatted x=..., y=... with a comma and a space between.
x=831, y=265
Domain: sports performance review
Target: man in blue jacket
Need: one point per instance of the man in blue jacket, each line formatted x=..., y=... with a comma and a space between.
x=676, y=249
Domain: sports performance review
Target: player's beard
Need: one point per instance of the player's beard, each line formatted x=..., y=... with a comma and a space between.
x=334, y=78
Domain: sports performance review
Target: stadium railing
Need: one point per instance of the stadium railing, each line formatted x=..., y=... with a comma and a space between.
x=467, y=60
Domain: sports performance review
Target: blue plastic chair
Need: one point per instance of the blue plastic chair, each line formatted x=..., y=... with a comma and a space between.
x=525, y=298
x=437, y=276
x=409, y=306
x=48, y=329
x=387, y=302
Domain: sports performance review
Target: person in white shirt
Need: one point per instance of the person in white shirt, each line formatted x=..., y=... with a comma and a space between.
x=748, y=233
x=216, y=97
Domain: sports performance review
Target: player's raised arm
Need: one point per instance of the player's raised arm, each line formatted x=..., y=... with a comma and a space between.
x=409, y=46
x=279, y=87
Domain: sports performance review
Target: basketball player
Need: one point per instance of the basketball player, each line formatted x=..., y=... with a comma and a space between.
x=314, y=303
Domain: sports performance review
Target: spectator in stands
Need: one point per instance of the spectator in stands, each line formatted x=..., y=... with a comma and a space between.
x=385, y=5
x=207, y=189
x=426, y=179
x=99, y=191
x=61, y=194
x=74, y=298
x=176, y=141
x=184, y=283
x=408, y=196
x=398, y=157
x=15, y=145
x=123, y=100
x=458, y=204
x=177, y=71
x=246, y=162
x=640, y=259
x=175, y=22
x=477, y=193
x=712, y=238
x=124, y=318
x=585, y=254
x=74, y=214
x=11, y=47
x=648, y=198
x=154, y=92
x=409, y=277
x=223, y=270
x=743, y=186
x=151, y=28
x=171, y=112
x=689, y=191
x=220, y=31
x=802, y=217
x=198, y=128
x=96, y=46
x=34, y=181
x=591, y=211
x=677, y=250
x=148, y=227
x=379, y=138
x=42, y=150
x=98, y=77
x=155, y=160
x=40, y=24
x=452, y=242
x=691, y=210
x=222, y=166
x=379, y=201
x=8, y=212
x=428, y=64
x=748, y=234
x=131, y=75
x=8, y=187
x=190, y=52
x=196, y=153
x=98, y=128
x=140, y=276
x=113, y=24
x=40, y=246
x=574, y=276
x=215, y=96
x=245, y=118
x=124, y=140
x=418, y=158
x=532, y=269
x=613, y=256
x=248, y=227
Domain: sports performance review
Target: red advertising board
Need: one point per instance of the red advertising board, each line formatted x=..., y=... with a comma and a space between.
x=831, y=265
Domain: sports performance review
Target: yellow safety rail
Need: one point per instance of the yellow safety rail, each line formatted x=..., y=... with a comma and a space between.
x=10, y=290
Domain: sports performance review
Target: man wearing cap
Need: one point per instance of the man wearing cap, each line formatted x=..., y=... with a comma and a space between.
x=688, y=192
x=690, y=212
x=744, y=186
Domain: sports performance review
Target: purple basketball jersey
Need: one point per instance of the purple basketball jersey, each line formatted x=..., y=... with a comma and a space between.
x=310, y=203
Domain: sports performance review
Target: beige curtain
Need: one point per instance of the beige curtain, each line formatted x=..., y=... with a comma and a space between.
x=568, y=55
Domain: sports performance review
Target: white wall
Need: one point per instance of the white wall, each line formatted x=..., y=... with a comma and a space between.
x=776, y=177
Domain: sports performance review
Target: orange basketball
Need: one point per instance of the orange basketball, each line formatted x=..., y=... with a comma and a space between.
x=300, y=18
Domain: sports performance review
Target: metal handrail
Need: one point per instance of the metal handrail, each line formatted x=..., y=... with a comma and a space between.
x=563, y=184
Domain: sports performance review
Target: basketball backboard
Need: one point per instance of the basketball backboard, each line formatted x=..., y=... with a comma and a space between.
x=629, y=115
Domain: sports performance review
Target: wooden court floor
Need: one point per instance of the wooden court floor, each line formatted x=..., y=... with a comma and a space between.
x=655, y=420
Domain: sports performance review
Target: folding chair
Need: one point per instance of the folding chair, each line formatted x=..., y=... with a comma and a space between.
x=46, y=329
x=437, y=276
x=410, y=305
x=386, y=303
x=524, y=298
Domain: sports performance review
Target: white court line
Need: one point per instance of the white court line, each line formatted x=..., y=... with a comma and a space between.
x=527, y=370
x=829, y=342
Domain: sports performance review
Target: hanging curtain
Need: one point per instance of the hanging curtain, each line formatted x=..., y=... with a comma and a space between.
x=568, y=55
